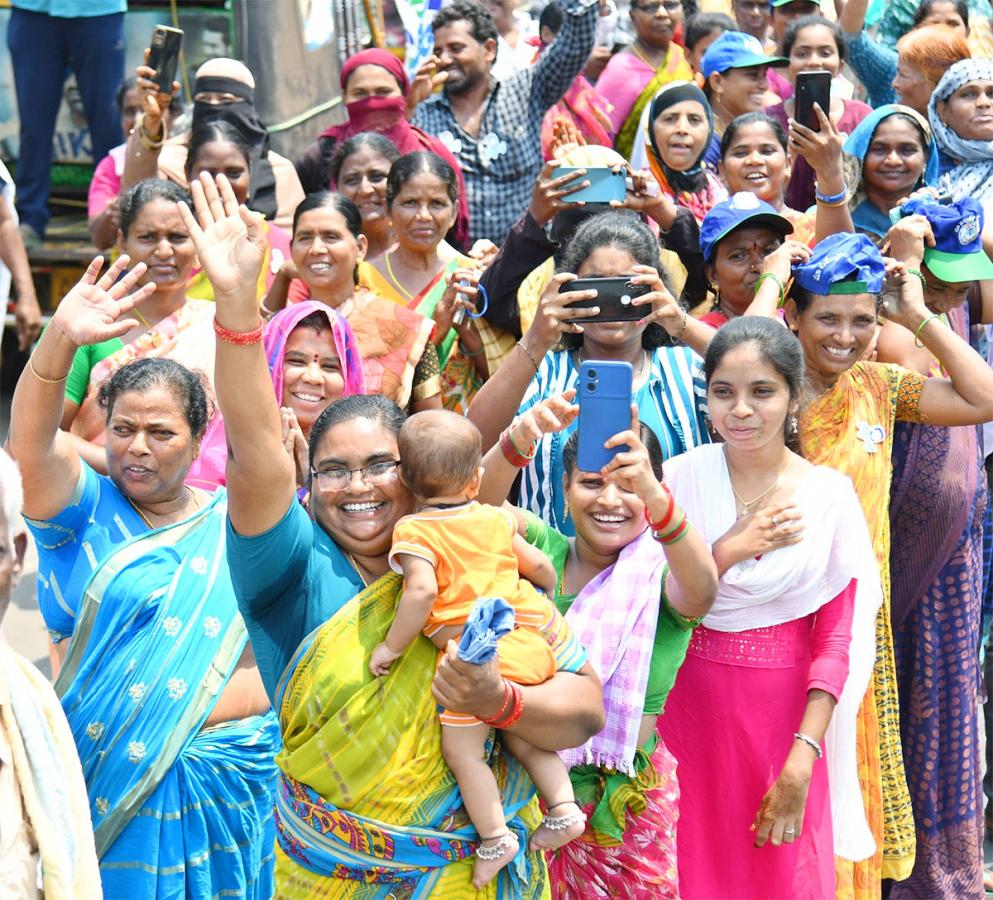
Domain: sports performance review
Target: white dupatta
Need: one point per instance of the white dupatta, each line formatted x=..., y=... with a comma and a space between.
x=791, y=583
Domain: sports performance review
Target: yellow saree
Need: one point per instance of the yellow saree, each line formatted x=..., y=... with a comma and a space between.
x=850, y=428
x=366, y=807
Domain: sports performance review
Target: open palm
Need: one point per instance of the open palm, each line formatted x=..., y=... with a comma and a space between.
x=95, y=309
x=228, y=238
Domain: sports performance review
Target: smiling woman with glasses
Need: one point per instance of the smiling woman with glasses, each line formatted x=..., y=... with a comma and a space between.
x=653, y=59
x=317, y=596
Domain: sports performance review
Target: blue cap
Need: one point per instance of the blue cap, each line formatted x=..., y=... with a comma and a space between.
x=957, y=254
x=842, y=264
x=729, y=215
x=737, y=50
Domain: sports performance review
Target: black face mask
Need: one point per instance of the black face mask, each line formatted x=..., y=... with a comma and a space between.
x=242, y=115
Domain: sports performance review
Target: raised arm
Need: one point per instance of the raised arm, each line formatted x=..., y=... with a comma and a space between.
x=966, y=396
x=141, y=159
x=261, y=477
x=691, y=585
x=567, y=56
x=498, y=400
x=851, y=18
x=822, y=150
x=91, y=312
x=778, y=264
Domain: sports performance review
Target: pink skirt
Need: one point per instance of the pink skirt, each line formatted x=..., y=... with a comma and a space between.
x=729, y=722
x=642, y=866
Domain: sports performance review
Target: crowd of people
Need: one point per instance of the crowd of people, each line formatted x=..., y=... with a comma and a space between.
x=335, y=608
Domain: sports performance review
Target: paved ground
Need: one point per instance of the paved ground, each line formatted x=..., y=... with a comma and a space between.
x=23, y=626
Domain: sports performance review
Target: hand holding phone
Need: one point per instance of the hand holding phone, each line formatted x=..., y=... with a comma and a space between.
x=614, y=298
x=811, y=88
x=163, y=55
x=604, y=410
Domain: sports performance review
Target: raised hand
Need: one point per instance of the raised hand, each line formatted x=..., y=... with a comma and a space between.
x=631, y=468
x=554, y=414
x=556, y=316
x=231, y=247
x=551, y=192
x=660, y=305
x=92, y=311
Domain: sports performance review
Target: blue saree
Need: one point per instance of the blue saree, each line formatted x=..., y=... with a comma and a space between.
x=178, y=810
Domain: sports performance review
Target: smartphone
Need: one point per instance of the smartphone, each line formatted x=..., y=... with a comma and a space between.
x=604, y=393
x=605, y=184
x=811, y=88
x=614, y=296
x=163, y=55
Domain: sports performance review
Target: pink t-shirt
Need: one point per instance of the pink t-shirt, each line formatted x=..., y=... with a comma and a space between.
x=106, y=183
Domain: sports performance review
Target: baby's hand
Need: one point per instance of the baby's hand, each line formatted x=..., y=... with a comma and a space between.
x=382, y=658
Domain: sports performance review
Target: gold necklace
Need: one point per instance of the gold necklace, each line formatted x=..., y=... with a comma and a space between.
x=393, y=277
x=746, y=505
x=644, y=57
x=141, y=512
x=141, y=318
x=358, y=571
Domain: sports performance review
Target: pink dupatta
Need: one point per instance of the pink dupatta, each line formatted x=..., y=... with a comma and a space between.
x=207, y=471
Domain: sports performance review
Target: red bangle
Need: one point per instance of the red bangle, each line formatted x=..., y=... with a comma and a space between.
x=515, y=712
x=240, y=338
x=677, y=534
x=664, y=521
x=508, y=695
x=511, y=453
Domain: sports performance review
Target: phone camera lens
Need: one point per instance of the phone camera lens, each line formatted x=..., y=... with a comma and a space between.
x=591, y=387
x=591, y=373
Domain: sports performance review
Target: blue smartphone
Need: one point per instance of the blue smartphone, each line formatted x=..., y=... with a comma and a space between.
x=605, y=184
x=604, y=393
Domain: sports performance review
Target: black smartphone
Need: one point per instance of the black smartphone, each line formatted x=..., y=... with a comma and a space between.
x=614, y=297
x=163, y=55
x=811, y=88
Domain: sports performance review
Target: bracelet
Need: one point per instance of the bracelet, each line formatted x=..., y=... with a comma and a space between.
x=511, y=453
x=838, y=199
x=472, y=354
x=919, y=274
x=810, y=742
x=147, y=141
x=41, y=377
x=508, y=696
x=682, y=330
x=527, y=353
x=772, y=276
x=920, y=328
x=514, y=715
x=675, y=534
x=240, y=338
x=527, y=454
x=664, y=521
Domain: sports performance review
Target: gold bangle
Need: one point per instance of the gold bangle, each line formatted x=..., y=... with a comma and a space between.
x=147, y=141
x=41, y=377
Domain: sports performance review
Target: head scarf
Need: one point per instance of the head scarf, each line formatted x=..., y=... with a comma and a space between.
x=231, y=77
x=693, y=179
x=857, y=144
x=973, y=177
x=388, y=117
x=207, y=470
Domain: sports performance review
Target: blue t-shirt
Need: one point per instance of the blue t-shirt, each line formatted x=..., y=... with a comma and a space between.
x=72, y=9
x=289, y=580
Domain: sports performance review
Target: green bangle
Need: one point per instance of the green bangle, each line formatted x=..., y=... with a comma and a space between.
x=530, y=451
x=919, y=274
x=779, y=284
x=472, y=353
x=920, y=328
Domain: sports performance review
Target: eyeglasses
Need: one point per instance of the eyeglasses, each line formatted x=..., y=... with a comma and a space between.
x=339, y=479
x=652, y=9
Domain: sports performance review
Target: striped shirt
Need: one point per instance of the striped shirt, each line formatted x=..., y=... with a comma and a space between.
x=501, y=163
x=672, y=402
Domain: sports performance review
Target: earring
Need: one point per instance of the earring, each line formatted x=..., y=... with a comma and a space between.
x=792, y=427
x=565, y=509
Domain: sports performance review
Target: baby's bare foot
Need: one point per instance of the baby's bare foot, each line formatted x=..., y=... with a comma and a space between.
x=491, y=856
x=557, y=831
